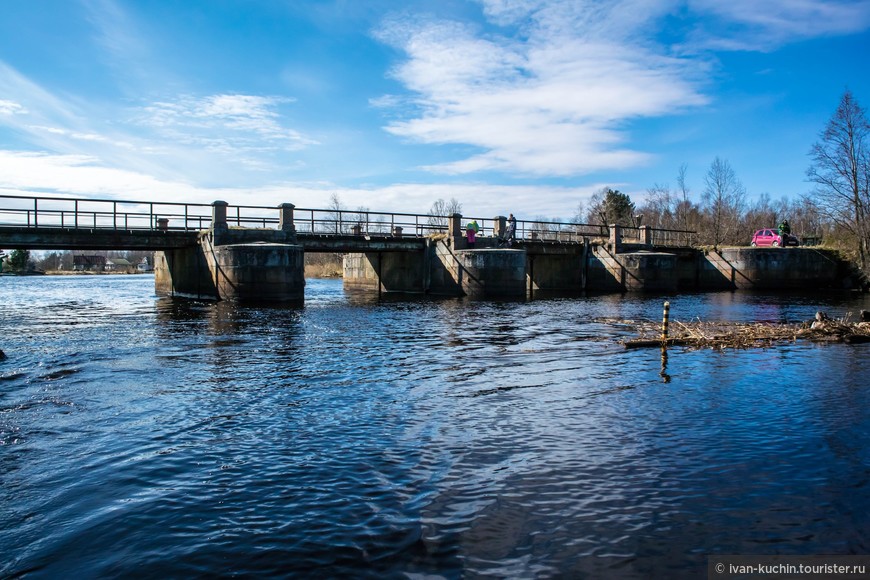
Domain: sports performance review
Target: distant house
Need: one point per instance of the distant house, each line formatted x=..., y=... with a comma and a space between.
x=144, y=266
x=83, y=262
x=118, y=265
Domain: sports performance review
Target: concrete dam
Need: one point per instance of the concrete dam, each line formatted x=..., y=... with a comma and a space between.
x=255, y=253
x=267, y=265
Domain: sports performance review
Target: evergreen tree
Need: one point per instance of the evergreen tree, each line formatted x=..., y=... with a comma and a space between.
x=611, y=206
x=18, y=260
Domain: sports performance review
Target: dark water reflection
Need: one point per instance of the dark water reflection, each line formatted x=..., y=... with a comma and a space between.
x=150, y=437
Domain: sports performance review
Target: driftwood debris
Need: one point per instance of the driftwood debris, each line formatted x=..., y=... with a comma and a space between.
x=720, y=335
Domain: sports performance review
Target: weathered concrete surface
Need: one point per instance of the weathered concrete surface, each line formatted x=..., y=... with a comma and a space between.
x=184, y=272
x=575, y=269
x=490, y=273
x=562, y=273
x=360, y=244
x=649, y=271
x=387, y=271
x=259, y=272
x=771, y=268
x=265, y=270
x=439, y=270
x=604, y=272
x=254, y=272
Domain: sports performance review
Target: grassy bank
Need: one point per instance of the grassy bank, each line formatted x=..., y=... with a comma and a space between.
x=324, y=265
x=323, y=271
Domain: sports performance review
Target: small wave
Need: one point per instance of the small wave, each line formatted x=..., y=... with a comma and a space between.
x=59, y=374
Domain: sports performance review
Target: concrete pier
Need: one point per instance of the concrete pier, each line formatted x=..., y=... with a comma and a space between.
x=590, y=267
x=259, y=272
x=497, y=273
x=245, y=265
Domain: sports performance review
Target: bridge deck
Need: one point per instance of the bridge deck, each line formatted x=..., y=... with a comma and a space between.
x=45, y=223
x=48, y=238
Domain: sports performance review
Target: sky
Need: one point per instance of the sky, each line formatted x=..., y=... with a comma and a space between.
x=523, y=106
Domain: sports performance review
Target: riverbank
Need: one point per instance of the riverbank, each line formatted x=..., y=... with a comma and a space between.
x=89, y=272
x=326, y=271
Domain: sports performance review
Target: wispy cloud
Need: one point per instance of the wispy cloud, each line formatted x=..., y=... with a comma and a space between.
x=240, y=119
x=550, y=87
x=11, y=108
x=124, y=47
x=28, y=173
x=245, y=130
x=548, y=96
x=199, y=137
x=26, y=101
x=767, y=24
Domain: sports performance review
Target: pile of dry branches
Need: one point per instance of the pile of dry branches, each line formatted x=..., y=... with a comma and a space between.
x=698, y=334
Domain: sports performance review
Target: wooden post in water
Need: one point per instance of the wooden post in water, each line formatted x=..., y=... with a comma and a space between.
x=665, y=321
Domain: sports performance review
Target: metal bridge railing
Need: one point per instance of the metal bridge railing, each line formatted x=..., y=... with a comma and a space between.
x=365, y=223
x=102, y=214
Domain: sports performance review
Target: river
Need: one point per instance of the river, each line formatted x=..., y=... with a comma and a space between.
x=149, y=437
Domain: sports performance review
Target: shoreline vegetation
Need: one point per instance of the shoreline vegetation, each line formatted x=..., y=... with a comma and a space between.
x=311, y=271
x=318, y=270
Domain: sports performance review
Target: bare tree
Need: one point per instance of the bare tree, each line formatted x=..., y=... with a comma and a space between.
x=685, y=209
x=361, y=217
x=658, y=210
x=724, y=201
x=542, y=227
x=806, y=219
x=579, y=216
x=841, y=172
x=335, y=216
x=441, y=210
x=762, y=214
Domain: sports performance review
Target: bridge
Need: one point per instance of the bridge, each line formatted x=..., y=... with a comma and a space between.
x=244, y=252
x=45, y=223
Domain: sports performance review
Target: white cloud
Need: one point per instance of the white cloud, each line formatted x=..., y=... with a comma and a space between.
x=212, y=138
x=79, y=136
x=26, y=101
x=11, y=108
x=766, y=24
x=551, y=90
x=228, y=123
x=41, y=174
x=549, y=98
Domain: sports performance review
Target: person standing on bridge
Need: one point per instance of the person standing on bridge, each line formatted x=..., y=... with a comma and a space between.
x=471, y=232
x=511, y=233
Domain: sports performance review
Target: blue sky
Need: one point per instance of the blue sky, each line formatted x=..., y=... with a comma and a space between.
x=527, y=106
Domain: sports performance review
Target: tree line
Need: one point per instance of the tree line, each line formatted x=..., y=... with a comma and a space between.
x=836, y=209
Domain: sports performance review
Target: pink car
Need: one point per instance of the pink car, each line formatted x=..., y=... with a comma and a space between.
x=770, y=237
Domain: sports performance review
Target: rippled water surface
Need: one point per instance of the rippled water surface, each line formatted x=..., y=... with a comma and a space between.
x=149, y=437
